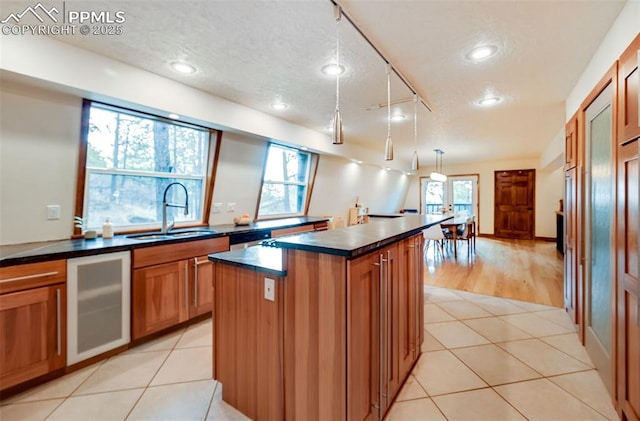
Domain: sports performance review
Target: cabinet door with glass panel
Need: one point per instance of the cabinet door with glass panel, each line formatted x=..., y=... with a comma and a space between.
x=458, y=194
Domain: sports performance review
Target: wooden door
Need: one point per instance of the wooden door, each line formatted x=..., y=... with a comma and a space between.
x=363, y=341
x=32, y=333
x=628, y=239
x=160, y=297
x=201, y=287
x=571, y=301
x=515, y=204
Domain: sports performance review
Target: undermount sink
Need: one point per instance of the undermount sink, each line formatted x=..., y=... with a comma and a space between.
x=169, y=235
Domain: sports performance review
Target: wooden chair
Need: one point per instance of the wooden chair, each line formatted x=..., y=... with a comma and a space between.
x=468, y=234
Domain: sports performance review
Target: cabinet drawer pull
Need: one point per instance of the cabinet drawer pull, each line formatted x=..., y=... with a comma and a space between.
x=58, y=322
x=37, y=275
x=195, y=280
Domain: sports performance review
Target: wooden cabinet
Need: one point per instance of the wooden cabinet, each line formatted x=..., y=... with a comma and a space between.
x=411, y=303
x=171, y=284
x=571, y=143
x=32, y=321
x=628, y=92
x=383, y=320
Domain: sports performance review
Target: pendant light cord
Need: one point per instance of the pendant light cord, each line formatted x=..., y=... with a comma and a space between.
x=415, y=123
x=388, y=100
x=338, y=15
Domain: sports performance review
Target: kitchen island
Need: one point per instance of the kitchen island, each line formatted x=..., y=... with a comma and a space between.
x=320, y=326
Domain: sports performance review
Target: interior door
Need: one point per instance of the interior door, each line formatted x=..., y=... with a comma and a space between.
x=598, y=230
x=514, y=207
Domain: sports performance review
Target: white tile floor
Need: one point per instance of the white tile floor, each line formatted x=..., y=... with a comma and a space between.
x=484, y=358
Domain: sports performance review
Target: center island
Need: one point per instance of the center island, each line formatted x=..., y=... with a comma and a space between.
x=323, y=325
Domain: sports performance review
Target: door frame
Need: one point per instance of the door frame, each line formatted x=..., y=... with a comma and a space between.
x=476, y=194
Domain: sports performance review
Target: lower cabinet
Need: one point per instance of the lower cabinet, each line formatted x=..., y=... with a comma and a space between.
x=32, y=322
x=384, y=310
x=171, y=284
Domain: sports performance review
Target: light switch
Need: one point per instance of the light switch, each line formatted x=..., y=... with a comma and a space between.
x=231, y=207
x=217, y=207
x=53, y=212
x=269, y=289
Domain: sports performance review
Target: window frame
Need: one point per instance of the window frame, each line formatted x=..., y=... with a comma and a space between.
x=212, y=156
x=312, y=169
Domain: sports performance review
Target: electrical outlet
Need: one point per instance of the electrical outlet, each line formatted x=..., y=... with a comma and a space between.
x=231, y=207
x=53, y=212
x=269, y=289
x=217, y=207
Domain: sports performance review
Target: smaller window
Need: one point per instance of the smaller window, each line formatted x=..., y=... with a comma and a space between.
x=285, y=182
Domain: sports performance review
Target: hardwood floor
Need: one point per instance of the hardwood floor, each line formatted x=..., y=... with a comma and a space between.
x=525, y=270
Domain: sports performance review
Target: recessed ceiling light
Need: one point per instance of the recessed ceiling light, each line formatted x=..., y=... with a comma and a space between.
x=489, y=101
x=304, y=148
x=174, y=116
x=398, y=117
x=182, y=67
x=357, y=161
x=279, y=106
x=333, y=69
x=482, y=52
x=387, y=168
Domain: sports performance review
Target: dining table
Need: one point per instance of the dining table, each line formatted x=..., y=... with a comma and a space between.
x=452, y=225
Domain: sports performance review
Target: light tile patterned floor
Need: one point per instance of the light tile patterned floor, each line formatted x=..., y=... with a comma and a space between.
x=484, y=358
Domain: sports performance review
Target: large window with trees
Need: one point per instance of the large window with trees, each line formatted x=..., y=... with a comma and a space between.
x=131, y=158
x=285, y=182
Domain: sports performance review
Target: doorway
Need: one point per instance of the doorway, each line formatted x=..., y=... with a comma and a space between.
x=459, y=194
x=514, y=209
x=598, y=233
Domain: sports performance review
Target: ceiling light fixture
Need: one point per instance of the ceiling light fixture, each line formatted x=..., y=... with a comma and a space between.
x=279, y=106
x=333, y=69
x=415, y=165
x=489, y=101
x=398, y=117
x=482, y=52
x=182, y=67
x=337, y=135
x=438, y=175
x=388, y=146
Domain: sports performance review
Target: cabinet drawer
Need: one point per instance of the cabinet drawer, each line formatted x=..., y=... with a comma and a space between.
x=173, y=252
x=21, y=277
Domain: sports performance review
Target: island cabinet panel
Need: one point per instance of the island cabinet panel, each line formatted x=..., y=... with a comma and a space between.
x=411, y=303
x=315, y=336
x=248, y=342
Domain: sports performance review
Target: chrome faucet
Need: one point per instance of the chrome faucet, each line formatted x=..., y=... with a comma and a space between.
x=165, y=229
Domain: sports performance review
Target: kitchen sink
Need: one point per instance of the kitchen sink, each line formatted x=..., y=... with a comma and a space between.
x=171, y=234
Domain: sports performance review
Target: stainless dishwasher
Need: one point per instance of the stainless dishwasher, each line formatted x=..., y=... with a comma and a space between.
x=98, y=304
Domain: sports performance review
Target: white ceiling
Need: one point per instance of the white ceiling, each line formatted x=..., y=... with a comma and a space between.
x=255, y=52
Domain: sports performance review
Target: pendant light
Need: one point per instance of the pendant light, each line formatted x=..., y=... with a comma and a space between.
x=337, y=135
x=415, y=165
x=438, y=175
x=388, y=146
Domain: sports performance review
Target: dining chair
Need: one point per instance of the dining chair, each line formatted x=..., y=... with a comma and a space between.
x=468, y=233
x=434, y=235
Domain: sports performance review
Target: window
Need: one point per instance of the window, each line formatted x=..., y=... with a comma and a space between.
x=285, y=185
x=458, y=194
x=131, y=158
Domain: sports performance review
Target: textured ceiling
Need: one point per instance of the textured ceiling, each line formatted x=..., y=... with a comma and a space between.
x=255, y=52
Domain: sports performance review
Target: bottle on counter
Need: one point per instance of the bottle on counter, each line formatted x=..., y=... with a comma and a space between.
x=107, y=229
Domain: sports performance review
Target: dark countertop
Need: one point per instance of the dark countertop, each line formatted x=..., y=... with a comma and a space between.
x=360, y=239
x=259, y=258
x=350, y=242
x=16, y=254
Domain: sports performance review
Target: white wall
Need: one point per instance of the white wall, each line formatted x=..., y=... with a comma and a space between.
x=239, y=176
x=549, y=190
x=622, y=32
x=39, y=132
x=339, y=182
